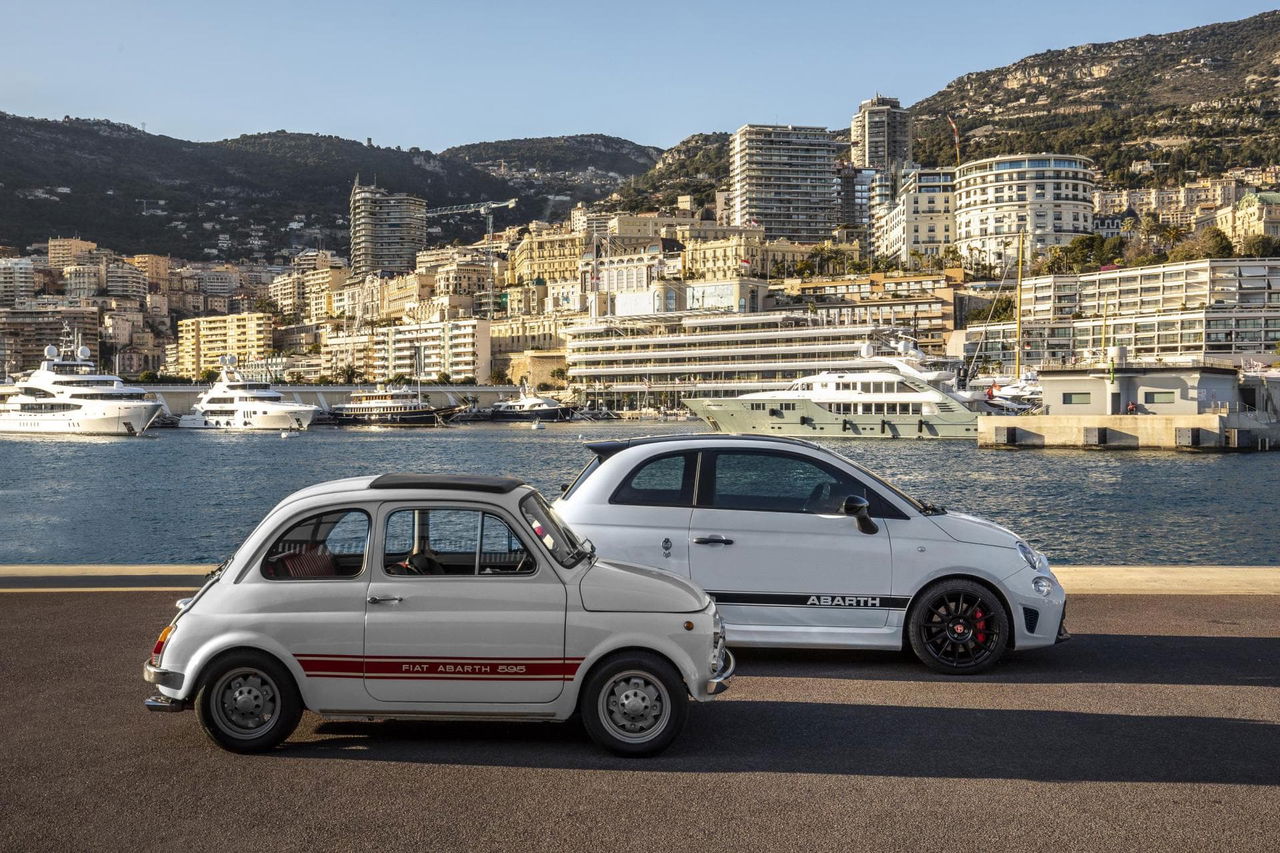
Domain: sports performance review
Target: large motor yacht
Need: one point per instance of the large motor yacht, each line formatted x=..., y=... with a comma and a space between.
x=528, y=407
x=390, y=406
x=234, y=403
x=874, y=397
x=68, y=395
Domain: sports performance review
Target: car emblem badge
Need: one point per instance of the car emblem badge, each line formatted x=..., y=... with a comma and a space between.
x=666, y=547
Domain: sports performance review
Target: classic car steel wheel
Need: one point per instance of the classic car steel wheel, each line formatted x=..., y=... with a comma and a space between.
x=959, y=627
x=248, y=702
x=634, y=704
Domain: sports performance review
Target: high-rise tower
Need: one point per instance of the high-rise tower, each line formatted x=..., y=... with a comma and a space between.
x=387, y=230
x=880, y=135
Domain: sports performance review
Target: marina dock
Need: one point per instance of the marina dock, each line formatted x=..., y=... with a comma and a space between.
x=1209, y=432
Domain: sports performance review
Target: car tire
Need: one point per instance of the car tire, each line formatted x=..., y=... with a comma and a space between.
x=248, y=702
x=634, y=704
x=958, y=627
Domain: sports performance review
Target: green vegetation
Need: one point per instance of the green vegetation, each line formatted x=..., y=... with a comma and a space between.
x=562, y=154
x=698, y=166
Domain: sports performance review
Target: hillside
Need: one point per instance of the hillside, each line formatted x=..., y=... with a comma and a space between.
x=1200, y=99
x=580, y=153
x=697, y=166
x=134, y=191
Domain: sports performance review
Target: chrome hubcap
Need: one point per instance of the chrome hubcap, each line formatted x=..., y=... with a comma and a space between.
x=635, y=706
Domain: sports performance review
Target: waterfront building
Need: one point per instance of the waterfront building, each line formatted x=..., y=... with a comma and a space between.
x=1226, y=309
x=202, y=340
x=1048, y=197
x=17, y=280
x=387, y=230
x=920, y=223
x=31, y=325
x=880, y=135
x=621, y=361
x=65, y=251
x=783, y=178
x=454, y=349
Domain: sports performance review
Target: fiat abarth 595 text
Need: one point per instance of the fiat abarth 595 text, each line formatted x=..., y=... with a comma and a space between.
x=802, y=547
x=435, y=597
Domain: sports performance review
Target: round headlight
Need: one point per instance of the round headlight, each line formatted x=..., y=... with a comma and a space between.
x=1042, y=585
x=1027, y=554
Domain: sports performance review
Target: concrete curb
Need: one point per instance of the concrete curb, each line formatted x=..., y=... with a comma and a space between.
x=1078, y=580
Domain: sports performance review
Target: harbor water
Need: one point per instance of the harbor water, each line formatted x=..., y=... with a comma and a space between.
x=191, y=496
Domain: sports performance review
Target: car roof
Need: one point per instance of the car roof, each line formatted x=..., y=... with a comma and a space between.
x=604, y=449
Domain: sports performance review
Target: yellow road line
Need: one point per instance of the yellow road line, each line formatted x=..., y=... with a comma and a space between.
x=35, y=571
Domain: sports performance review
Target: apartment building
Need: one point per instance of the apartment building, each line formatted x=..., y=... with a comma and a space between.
x=546, y=256
x=202, y=340
x=65, y=251
x=782, y=178
x=921, y=220
x=1047, y=197
x=83, y=280
x=1223, y=309
x=125, y=280
x=31, y=325
x=17, y=280
x=455, y=348
x=156, y=268
x=1173, y=205
x=387, y=230
x=880, y=135
x=741, y=255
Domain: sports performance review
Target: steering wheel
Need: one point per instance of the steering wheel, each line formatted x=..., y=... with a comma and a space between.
x=424, y=563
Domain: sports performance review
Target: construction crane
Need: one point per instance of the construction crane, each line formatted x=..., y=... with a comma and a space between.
x=485, y=209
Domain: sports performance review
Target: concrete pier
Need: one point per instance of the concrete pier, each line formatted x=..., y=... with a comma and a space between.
x=1215, y=432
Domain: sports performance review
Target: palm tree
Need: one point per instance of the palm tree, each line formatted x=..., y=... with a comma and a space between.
x=350, y=374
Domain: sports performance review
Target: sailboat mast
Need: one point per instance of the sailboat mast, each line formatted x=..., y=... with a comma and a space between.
x=1017, y=318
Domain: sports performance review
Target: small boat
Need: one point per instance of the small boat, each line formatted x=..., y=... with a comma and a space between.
x=537, y=425
x=234, y=403
x=528, y=407
x=390, y=406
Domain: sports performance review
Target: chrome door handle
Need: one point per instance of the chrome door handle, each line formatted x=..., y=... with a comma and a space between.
x=711, y=540
x=383, y=599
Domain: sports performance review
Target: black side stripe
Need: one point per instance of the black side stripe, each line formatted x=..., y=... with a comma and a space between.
x=804, y=599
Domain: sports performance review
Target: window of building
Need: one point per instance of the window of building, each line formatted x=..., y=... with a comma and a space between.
x=325, y=546
x=1076, y=398
x=1158, y=397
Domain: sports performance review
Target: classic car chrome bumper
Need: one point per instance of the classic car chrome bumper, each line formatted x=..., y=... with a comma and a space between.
x=162, y=677
x=164, y=704
x=719, y=682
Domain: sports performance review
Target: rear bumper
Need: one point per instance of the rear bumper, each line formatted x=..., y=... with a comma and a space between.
x=163, y=704
x=162, y=677
x=719, y=682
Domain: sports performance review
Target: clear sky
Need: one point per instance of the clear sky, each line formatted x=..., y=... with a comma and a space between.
x=435, y=74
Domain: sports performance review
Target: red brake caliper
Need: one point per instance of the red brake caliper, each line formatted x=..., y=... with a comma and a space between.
x=981, y=624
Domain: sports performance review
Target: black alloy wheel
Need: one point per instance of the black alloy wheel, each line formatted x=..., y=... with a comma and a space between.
x=959, y=627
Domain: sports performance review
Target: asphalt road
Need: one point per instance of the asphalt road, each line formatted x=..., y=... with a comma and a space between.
x=1156, y=728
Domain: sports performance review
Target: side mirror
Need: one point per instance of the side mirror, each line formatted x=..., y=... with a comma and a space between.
x=859, y=507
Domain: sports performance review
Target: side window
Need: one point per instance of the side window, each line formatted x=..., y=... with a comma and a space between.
x=328, y=545
x=665, y=481
x=452, y=542
x=771, y=482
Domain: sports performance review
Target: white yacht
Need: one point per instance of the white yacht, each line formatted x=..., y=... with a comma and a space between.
x=874, y=397
x=68, y=395
x=234, y=403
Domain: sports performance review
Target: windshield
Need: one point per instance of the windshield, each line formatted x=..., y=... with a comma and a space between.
x=557, y=538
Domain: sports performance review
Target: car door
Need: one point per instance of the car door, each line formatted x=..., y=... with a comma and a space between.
x=462, y=608
x=770, y=541
x=645, y=520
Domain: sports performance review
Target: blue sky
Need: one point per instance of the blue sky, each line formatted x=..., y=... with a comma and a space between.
x=435, y=74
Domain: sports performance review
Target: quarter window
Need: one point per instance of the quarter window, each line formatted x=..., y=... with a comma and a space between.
x=664, y=481
x=328, y=545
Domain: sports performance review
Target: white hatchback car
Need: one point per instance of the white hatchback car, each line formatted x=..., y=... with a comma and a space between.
x=802, y=547
x=437, y=597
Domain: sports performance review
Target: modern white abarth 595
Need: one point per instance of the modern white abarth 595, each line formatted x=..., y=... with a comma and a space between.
x=802, y=547
x=436, y=597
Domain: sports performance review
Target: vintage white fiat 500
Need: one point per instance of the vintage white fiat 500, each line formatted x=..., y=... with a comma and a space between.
x=435, y=597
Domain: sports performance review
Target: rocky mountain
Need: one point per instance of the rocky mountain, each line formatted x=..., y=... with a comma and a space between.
x=1199, y=99
x=585, y=152
x=698, y=165
x=253, y=195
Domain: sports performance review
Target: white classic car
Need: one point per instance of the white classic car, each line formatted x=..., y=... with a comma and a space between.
x=435, y=597
x=803, y=547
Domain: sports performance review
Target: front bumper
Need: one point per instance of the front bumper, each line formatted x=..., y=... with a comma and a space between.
x=162, y=677
x=719, y=682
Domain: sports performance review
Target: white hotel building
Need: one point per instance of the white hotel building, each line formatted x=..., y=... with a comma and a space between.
x=620, y=361
x=1225, y=309
x=782, y=178
x=1049, y=197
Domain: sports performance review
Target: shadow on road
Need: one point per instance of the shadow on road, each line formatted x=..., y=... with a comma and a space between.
x=1087, y=658
x=787, y=737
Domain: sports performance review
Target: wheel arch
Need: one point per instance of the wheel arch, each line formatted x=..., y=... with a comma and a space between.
x=606, y=656
x=959, y=575
x=210, y=655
